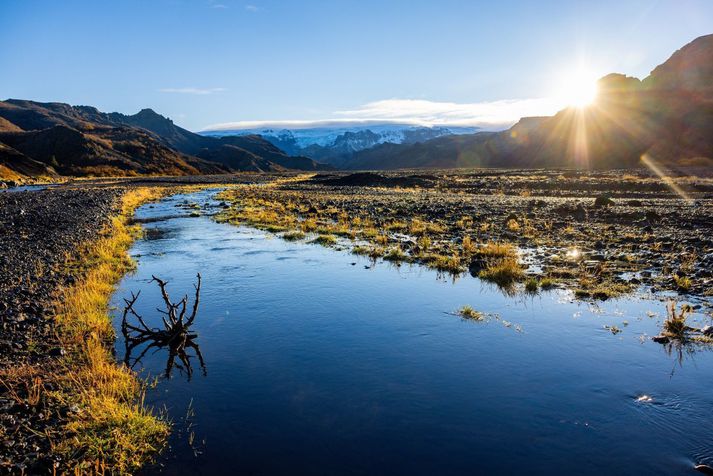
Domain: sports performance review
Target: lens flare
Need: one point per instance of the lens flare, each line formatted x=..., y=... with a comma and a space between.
x=655, y=168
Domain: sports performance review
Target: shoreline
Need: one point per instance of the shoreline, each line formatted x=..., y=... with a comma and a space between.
x=67, y=405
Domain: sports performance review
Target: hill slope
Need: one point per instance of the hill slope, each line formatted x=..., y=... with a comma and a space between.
x=81, y=140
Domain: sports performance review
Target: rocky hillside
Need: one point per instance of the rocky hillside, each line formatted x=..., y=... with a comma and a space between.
x=42, y=139
x=666, y=118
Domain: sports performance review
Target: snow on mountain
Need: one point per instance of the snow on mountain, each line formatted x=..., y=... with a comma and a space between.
x=335, y=144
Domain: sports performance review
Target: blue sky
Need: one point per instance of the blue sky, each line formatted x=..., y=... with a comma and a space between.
x=205, y=62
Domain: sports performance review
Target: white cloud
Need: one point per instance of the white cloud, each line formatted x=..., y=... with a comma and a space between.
x=218, y=5
x=491, y=115
x=251, y=8
x=197, y=91
x=431, y=113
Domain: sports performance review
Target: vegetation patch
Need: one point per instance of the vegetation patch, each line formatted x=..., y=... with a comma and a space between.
x=325, y=240
x=467, y=312
x=294, y=235
x=110, y=429
x=503, y=272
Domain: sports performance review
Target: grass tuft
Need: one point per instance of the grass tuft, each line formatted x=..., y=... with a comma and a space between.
x=503, y=272
x=531, y=285
x=325, y=240
x=467, y=312
x=294, y=235
x=675, y=324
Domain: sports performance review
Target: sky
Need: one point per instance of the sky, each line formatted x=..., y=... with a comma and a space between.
x=237, y=64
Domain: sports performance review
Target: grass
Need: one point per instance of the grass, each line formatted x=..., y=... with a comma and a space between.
x=370, y=251
x=112, y=427
x=467, y=312
x=468, y=246
x=294, y=235
x=531, y=285
x=590, y=288
x=675, y=324
x=450, y=263
x=497, y=250
x=325, y=240
x=395, y=254
x=683, y=283
x=503, y=272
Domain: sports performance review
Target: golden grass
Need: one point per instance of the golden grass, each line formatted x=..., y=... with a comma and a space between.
x=450, y=263
x=325, y=240
x=395, y=254
x=503, y=272
x=497, y=250
x=111, y=428
x=683, y=283
x=467, y=312
x=675, y=324
x=294, y=235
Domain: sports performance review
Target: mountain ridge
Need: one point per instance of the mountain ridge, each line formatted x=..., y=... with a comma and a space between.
x=81, y=140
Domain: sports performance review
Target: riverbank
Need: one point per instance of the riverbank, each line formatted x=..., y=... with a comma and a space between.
x=598, y=234
x=65, y=403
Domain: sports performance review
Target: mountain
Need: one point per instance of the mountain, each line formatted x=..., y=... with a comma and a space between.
x=15, y=165
x=81, y=140
x=666, y=118
x=336, y=144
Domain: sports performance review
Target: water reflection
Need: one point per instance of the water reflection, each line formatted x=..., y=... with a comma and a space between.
x=175, y=336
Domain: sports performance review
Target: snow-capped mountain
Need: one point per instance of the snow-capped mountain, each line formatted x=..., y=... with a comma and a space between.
x=335, y=144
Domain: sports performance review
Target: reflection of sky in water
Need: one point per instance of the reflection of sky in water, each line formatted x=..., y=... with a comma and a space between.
x=319, y=366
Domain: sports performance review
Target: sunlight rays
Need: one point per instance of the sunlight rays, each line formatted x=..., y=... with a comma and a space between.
x=650, y=162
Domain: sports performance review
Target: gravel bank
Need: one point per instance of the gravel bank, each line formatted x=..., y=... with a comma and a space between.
x=38, y=230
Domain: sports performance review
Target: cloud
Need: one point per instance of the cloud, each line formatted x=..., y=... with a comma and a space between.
x=197, y=91
x=492, y=115
x=251, y=8
x=431, y=113
x=218, y=5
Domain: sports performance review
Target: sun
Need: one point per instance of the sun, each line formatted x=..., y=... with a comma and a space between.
x=578, y=89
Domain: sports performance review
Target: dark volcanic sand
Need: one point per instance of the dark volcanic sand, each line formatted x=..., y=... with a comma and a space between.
x=37, y=231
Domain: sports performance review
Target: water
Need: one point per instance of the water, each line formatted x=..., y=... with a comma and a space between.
x=319, y=363
x=27, y=188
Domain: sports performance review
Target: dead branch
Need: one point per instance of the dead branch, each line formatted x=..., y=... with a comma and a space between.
x=174, y=335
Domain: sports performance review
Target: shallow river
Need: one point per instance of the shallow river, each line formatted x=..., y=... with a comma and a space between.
x=318, y=362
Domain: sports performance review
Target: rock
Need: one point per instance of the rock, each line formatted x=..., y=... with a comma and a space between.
x=652, y=216
x=704, y=468
x=707, y=331
x=661, y=339
x=603, y=201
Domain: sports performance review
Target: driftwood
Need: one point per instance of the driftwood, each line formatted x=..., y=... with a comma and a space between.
x=175, y=334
